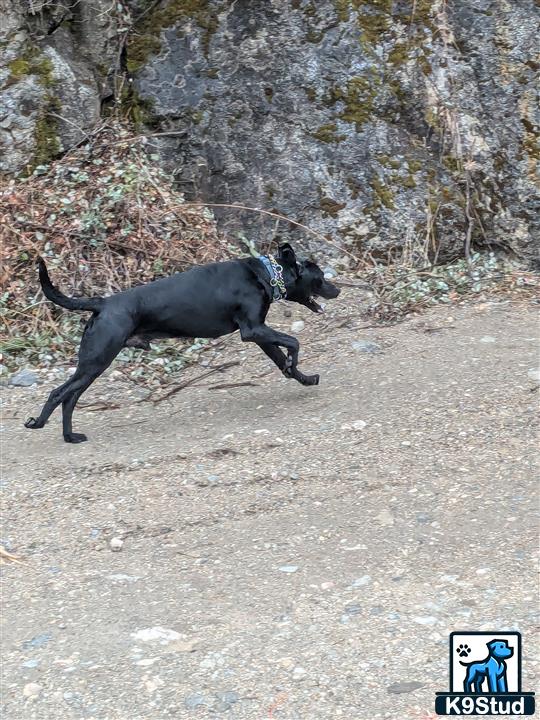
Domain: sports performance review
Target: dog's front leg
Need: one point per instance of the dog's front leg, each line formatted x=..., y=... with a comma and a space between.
x=270, y=340
x=284, y=363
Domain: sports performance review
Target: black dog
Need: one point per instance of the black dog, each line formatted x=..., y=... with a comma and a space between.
x=207, y=301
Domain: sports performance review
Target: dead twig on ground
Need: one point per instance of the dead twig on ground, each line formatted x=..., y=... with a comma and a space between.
x=192, y=381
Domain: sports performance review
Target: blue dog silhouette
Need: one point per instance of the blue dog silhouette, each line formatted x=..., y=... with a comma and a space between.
x=492, y=669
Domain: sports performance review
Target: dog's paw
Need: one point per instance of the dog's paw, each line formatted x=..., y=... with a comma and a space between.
x=75, y=437
x=309, y=379
x=33, y=424
x=463, y=650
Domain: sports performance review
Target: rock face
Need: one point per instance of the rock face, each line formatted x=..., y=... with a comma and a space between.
x=53, y=69
x=396, y=128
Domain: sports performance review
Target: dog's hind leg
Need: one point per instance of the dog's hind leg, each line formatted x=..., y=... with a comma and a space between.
x=99, y=346
x=101, y=342
x=67, y=411
x=55, y=398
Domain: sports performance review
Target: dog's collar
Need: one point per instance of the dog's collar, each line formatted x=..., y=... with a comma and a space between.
x=275, y=270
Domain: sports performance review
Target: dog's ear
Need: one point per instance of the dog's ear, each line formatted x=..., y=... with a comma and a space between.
x=286, y=254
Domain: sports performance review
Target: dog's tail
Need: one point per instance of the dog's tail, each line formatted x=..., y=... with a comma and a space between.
x=57, y=297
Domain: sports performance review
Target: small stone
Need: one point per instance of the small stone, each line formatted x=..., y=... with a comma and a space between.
x=32, y=663
x=37, y=641
x=327, y=585
x=225, y=700
x=426, y=620
x=156, y=634
x=288, y=568
x=483, y=571
x=329, y=272
x=152, y=684
x=406, y=443
x=32, y=690
x=192, y=702
x=353, y=609
x=404, y=687
x=423, y=518
x=23, y=378
x=185, y=646
x=534, y=374
x=385, y=517
x=488, y=339
x=116, y=544
x=286, y=662
x=298, y=326
x=299, y=673
x=121, y=577
x=362, y=581
x=366, y=346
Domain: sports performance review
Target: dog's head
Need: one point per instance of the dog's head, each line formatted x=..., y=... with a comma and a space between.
x=304, y=280
x=499, y=649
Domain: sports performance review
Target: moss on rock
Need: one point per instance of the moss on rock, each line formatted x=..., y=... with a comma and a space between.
x=331, y=207
x=32, y=62
x=357, y=98
x=145, y=38
x=46, y=142
x=328, y=134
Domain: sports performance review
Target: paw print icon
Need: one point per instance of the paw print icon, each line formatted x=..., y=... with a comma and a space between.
x=463, y=650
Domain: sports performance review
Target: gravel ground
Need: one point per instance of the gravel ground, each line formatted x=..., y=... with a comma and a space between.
x=274, y=551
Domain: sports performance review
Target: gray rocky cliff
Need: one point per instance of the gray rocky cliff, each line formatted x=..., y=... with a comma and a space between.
x=394, y=128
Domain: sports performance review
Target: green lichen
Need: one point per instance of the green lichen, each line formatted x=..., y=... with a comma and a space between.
x=382, y=195
x=342, y=9
x=354, y=186
x=357, y=98
x=139, y=110
x=314, y=36
x=311, y=94
x=454, y=164
x=32, y=62
x=407, y=182
x=328, y=134
x=388, y=161
x=46, y=143
x=145, y=38
x=331, y=207
x=197, y=117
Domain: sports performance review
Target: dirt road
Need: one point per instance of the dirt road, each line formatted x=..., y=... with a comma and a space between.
x=288, y=552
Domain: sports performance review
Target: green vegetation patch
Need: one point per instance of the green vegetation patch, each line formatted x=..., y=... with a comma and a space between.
x=145, y=38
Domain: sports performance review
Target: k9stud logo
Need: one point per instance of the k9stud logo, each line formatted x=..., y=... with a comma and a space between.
x=485, y=676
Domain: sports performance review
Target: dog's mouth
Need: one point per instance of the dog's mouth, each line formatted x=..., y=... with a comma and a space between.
x=314, y=306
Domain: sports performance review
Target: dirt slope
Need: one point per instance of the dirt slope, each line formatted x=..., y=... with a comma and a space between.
x=303, y=550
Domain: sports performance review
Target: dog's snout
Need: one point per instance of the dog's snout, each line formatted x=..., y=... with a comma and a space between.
x=330, y=291
x=333, y=291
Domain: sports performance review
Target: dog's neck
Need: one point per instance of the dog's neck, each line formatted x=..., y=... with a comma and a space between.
x=277, y=281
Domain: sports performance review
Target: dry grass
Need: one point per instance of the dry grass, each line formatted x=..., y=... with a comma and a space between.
x=104, y=216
